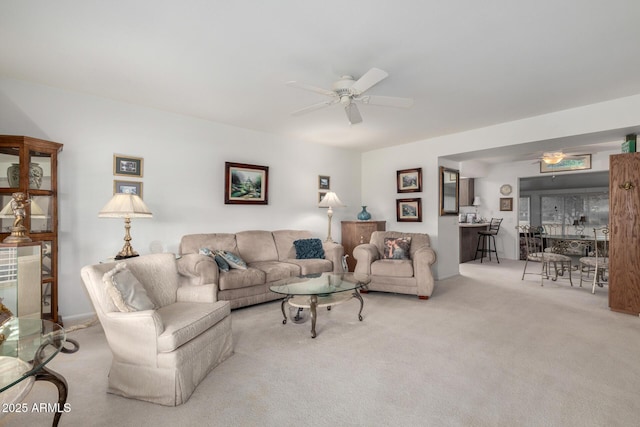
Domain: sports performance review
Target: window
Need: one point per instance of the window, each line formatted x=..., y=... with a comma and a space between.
x=574, y=213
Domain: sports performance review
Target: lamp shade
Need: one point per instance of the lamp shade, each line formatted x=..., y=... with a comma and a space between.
x=476, y=201
x=36, y=211
x=124, y=205
x=330, y=200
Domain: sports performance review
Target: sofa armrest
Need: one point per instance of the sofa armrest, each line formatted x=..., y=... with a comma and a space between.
x=423, y=259
x=197, y=269
x=334, y=253
x=199, y=293
x=365, y=254
x=133, y=336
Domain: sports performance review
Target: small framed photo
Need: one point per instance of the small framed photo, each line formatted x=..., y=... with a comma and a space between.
x=127, y=165
x=246, y=184
x=321, y=194
x=127, y=187
x=409, y=210
x=506, y=203
x=324, y=182
x=409, y=180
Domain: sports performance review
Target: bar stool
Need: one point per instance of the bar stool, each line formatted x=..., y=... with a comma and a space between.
x=485, y=237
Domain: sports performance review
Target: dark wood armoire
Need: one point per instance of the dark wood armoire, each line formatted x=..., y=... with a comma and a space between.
x=624, y=223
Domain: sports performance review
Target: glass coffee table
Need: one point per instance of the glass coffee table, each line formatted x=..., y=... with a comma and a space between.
x=26, y=346
x=320, y=290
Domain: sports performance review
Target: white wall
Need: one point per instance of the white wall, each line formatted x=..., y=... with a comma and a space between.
x=379, y=166
x=184, y=160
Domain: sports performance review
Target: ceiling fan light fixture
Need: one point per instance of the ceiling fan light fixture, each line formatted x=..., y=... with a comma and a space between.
x=552, y=158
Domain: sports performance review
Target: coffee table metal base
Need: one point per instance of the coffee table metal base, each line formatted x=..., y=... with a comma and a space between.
x=312, y=302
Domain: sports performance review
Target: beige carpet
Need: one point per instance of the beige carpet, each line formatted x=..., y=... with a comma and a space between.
x=486, y=350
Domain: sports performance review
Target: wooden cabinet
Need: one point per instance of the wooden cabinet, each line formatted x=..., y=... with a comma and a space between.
x=624, y=224
x=467, y=192
x=31, y=167
x=355, y=233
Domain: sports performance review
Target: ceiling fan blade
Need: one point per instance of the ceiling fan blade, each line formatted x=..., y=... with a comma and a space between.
x=370, y=78
x=310, y=88
x=386, y=101
x=353, y=114
x=314, y=107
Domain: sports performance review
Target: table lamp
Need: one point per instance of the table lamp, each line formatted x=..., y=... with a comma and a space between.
x=330, y=200
x=125, y=206
x=476, y=203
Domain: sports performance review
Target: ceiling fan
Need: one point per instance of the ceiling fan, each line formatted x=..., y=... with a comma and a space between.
x=555, y=157
x=347, y=91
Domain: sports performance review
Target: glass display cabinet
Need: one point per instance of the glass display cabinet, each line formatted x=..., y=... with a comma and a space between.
x=21, y=278
x=30, y=165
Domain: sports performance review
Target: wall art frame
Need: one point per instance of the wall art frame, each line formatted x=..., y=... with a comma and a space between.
x=128, y=166
x=506, y=203
x=409, y=210
x=578, y=162
x=324, y=182
x=409, y=180
x=246, y=184
x=128, y=187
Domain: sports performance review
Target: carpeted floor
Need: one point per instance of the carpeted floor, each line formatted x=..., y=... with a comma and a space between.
x=486, y=350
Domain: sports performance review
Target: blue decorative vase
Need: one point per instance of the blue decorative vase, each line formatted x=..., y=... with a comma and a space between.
x=364, y=215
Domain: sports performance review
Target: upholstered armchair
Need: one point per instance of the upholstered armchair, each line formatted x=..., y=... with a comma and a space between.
x=397, y=262
x=165, y=334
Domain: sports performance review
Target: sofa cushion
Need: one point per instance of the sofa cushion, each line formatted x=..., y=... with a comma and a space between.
x=191, y=243
x=125, y=290
x=232, y=260
x=223, y=265
x=183, y=321
x=308, y=248
x=392, y=267
x=235, y=279
x=397, y=247
x=256, y=245
x=276, y=270
x=311, y=266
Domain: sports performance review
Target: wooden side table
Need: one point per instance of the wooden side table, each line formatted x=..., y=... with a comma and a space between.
x=355, y=233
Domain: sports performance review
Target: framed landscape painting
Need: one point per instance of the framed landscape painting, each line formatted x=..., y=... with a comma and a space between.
x=127, y=187
x=409, y=180
x=572, y=163
x=246, y=184
x=409, y=210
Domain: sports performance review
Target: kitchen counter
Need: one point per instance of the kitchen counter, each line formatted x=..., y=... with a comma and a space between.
x=469, y=239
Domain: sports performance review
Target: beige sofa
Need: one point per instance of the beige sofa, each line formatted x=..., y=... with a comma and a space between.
x=160, y=354
x=270, y=256
x=406, y=276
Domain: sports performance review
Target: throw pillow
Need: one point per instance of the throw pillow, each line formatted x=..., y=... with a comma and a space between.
x=233, y=260
x=396, y=247
x=222, y=264
x=308, y=248
x=125, y=290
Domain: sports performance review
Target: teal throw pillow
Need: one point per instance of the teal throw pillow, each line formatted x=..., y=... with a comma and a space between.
x=222, y=264
x=308, y=248
x=232, y=259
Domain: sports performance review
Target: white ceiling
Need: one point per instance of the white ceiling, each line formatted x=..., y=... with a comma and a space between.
x=466, y=63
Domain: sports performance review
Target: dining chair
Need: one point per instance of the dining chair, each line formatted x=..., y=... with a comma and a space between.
x=484, y=240
x=535, y=252
x=598, y=260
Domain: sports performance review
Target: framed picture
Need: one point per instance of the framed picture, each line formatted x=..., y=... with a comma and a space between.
x=409, y=180
x=574, y=163
x=321, y=194
x=246, y=184
x=409, y=210
x=127, y=165
x=324, y=182
x=506, y=203
x=128, y=187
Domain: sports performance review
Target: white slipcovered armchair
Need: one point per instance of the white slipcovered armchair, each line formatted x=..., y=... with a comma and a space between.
x=410, y=275
x=160, y=354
